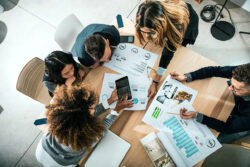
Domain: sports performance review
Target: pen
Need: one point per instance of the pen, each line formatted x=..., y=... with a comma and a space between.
x=172, y=113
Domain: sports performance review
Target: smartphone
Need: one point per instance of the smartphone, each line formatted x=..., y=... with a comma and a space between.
x=119, y=21
x=127, y=39
x=123, y=88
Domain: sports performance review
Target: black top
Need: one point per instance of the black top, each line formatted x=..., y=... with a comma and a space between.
x=189, y=37
x=107, y=31
x=50, y=84
x=239, y=119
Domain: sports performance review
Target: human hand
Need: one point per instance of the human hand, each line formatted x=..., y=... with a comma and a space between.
x=70, y=80
x=123, y=104
x=152, y=90
x=178, y=76
x=81, y=74
x=113, y=97
x=185, y=115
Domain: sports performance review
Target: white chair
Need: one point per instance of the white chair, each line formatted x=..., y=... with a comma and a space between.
x=67, y=31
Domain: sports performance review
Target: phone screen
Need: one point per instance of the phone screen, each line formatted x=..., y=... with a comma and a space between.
x=127, y=39
x=123, y=88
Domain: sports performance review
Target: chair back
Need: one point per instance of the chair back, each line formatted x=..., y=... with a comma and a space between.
x=67, y=31
x=30, y=81
x=229, y=155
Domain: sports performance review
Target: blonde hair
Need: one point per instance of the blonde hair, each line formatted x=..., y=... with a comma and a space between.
x=167, y=18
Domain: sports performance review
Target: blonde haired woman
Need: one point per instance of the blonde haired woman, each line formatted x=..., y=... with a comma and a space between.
x=169, y=24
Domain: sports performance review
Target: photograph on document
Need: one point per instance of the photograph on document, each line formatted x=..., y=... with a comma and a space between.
x=172, y=93
x=156, y=151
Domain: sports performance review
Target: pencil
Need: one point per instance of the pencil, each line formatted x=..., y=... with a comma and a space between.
x=172, y=113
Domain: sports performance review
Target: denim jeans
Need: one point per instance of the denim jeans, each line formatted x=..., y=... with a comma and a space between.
x=230, y=137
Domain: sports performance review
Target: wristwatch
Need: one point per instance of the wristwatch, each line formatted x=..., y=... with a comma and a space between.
x=113, y=112
x=156, y=82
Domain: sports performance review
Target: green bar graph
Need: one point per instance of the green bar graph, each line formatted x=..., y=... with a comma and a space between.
x=156, y=112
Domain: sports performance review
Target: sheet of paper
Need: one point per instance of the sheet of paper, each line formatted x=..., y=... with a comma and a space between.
x=139, y=90
x=192, y=141
x=129, y=59
x=169, y=98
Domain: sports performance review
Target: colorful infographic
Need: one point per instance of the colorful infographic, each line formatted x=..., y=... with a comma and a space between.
x=182, y=139
x=187, y=141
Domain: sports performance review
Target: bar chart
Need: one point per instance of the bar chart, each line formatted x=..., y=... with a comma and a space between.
x=183, y=141
x=156, y=112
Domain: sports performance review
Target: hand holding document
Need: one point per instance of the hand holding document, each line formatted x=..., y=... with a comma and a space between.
x=185, y=114
x=186, y=141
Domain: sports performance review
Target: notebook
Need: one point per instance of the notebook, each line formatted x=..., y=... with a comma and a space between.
x=110, y=151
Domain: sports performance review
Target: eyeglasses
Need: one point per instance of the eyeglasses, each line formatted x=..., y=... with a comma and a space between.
x=229, y=83
x=149, y=33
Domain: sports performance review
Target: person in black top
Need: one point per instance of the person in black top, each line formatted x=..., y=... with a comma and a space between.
x=60, y=68
x=168, y=24
x=93, y=45
x=238, y=123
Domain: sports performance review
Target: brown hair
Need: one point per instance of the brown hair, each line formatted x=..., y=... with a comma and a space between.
x=69, y=117
x=167, y=18
x=95, y=46
x=242, y=73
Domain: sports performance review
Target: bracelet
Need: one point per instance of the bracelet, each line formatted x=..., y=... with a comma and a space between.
x=155, y=81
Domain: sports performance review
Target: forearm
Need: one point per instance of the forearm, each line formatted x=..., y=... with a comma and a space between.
x=166, y=57
x=212, y=71
x=230, y=126
x=101, y=108
x=110, y=118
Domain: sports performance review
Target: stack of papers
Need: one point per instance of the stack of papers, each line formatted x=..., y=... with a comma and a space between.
x=186, y=141
x=134, y=62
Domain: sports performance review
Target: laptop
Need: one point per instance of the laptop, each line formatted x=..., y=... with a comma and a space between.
x=110, y=151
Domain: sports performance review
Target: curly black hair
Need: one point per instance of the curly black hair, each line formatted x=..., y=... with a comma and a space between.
x=69, y=117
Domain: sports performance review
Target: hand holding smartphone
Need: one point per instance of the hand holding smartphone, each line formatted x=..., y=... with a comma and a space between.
x=123, y=88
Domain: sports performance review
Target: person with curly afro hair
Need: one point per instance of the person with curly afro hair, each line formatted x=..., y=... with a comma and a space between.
x=73, y=124
x=238, y=123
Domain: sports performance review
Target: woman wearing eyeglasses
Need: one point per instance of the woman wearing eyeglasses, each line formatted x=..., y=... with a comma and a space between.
x=168, y=24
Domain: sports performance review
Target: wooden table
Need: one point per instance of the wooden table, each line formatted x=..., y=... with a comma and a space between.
x=213, y=99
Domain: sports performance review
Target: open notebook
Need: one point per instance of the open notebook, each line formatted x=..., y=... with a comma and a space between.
x=110, y=151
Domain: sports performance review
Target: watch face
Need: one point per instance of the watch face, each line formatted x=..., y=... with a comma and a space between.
x=113, y=112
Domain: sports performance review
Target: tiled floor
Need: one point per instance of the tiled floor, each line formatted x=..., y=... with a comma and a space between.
x=31, y=26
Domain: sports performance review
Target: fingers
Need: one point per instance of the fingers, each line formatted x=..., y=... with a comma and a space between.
x=125, y=99
x=174, y=75
x=149, y=92
x=152, y=91
x=150, y=95
x=187, y=115
x=129, y=104
x=183, y=113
